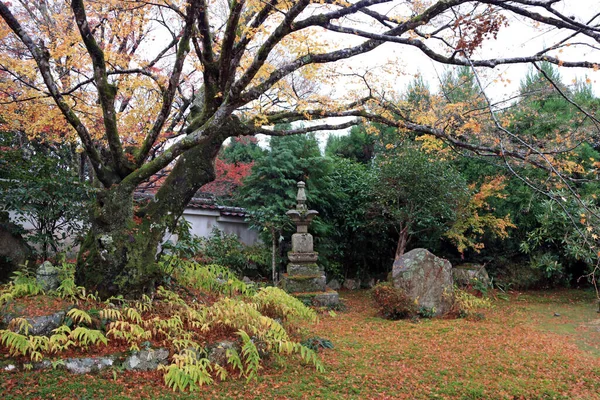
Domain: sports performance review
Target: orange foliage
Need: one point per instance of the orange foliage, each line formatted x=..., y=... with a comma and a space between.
x=476, y=218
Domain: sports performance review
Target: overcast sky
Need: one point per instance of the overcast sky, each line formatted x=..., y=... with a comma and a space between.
x=519, y=38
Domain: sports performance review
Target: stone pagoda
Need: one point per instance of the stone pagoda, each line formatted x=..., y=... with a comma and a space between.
x=305, y=279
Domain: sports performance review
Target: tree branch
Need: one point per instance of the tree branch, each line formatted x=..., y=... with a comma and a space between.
x=106, y=91
x=298, y=131
x=421, y=19
x=227, y=43
x=261, y=56
x=452, y=60
x=207, y=55
x=169, y=94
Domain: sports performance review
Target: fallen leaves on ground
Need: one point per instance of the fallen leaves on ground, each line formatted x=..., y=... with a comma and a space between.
x=519, y=351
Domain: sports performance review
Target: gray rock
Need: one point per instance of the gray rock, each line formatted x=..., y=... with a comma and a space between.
x=464, y=274
x=40, y=326
x=352, y=284
x=146, y=360
x=327, y=299
x=334, y=284
x=9, y=367
x=247, y=280
x=47, y=276
x=45, y=364
x=87, y=365
x=367, y=284
x=217, y=352
x=425, y=278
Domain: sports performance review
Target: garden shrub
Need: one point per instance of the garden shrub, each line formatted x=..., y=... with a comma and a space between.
x=519, y=276
x=426, y=312
x=224, y=249
x=315, y=343
x=465, y=304
x=219, y=248
x=393, y=303
x=258, y=260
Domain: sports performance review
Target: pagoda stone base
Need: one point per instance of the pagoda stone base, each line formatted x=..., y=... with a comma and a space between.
x=310, y=288
x=312, y=269
x=304, y=283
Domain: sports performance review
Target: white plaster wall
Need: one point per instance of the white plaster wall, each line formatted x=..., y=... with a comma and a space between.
x=203, y=221
x=67, y=245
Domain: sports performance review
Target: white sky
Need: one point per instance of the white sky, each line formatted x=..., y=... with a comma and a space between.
x=519, y=38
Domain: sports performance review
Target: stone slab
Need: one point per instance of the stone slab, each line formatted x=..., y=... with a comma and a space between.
x=303, y=257
x=304, y=269
x=302, y=243
x=329, y=298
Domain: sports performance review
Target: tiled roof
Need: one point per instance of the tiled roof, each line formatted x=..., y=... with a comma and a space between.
x=209, y=204
x=203, y=203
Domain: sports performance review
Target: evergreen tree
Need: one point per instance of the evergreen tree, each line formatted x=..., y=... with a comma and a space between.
x=270, y=190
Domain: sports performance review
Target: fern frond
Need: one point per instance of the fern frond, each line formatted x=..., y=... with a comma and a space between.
x=273, y=300
x=20, y=324
x=83, y=337
x=79, y=316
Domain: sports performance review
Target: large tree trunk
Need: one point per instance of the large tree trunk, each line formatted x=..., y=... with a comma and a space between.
x=402, y=241
x=119, y=254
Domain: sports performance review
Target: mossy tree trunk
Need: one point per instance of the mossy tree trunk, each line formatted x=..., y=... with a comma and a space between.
x=119, y=254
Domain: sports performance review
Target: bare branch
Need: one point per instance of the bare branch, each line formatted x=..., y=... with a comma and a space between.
x=168, y=95
x=306, y=129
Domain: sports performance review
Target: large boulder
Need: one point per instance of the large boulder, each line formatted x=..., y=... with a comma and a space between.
x=14, y=250
x=466, y=274
x=425, y=278
x=42, y=325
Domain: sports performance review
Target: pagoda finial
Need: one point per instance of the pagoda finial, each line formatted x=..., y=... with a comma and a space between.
x=301, y=215
x=301, y=197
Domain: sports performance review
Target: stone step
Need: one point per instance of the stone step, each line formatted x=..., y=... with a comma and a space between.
x=330, y=298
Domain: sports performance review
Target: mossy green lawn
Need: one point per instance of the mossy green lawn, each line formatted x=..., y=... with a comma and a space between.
x=520, y=350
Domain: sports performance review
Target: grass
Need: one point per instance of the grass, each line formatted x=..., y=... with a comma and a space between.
x=520, y=350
